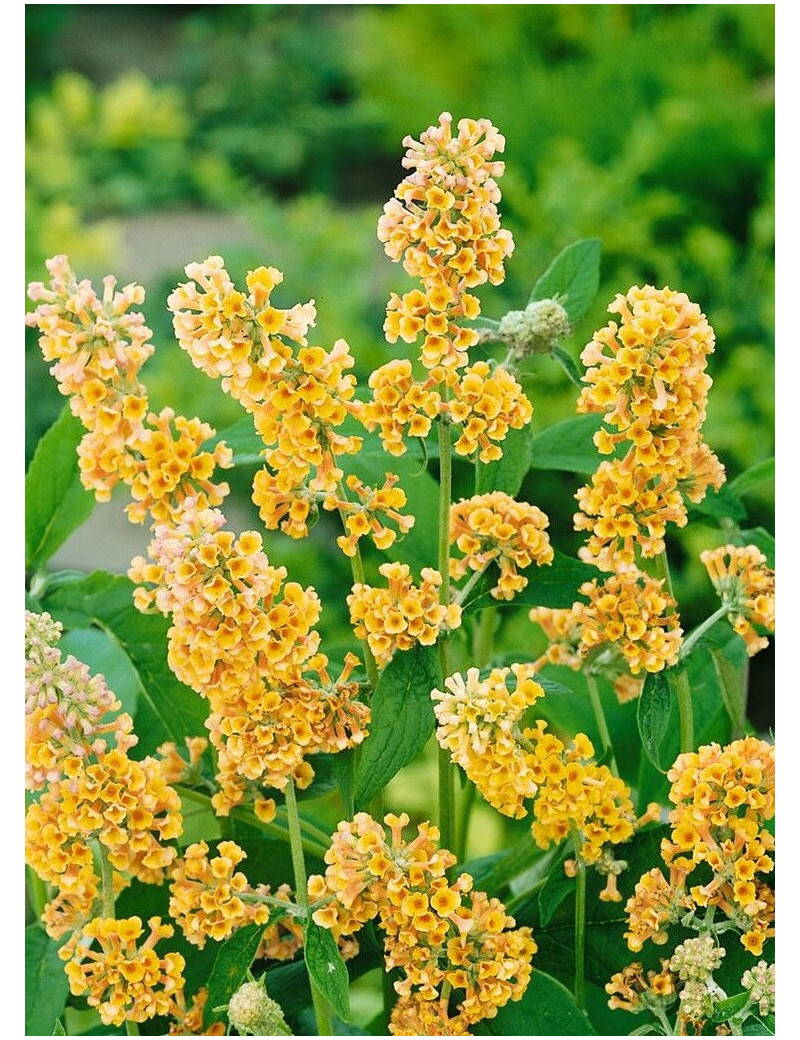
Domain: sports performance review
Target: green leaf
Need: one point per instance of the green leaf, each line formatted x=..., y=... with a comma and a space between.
x=575, y=274
x=326, y=968
x=755, y=1026
x=753, y=476
x=720, y=504
x=46, y=984
x=547, y=1008
x=244, y=442
x=732, y=677
x=555, y=890
x=105, y=656
x=344, y=771
x=725, y=1009
x=402, y=719
x=509, y=471
x=59, y=1029
x=568, y=446
x=56, y=503
x=652, y=715
x=567, y=362
x=554, y=585
x=166, y=709
x=233, y=961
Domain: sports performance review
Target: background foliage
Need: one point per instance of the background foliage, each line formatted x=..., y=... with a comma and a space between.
x=158, y=134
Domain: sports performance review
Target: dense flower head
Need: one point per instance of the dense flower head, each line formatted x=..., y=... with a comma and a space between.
x=443, y=936
x=402, y=614
x=68, y=712
x=633, y=989
x=647, y=373
x=400, y=405
x=746, y=586
x=760, y=984
x=476, y=720
x=696, y=958
x=631, y=615
x=127, y=806
x=252, y=1012
x=123, y=979
x=626, y=507
x=487, y=401
x=656, y=904
x=536, y=330
x=444, y=226
x=374, y=509
x=170, y=468
x=495, y=528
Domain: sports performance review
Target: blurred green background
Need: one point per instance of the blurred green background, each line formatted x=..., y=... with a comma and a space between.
x=159, y=134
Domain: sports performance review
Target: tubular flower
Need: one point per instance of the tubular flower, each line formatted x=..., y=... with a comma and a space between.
x=397, y=617
x=655, y=905
x=369, y=515
x=746, y=587
x=633, y=989
x=445, y=938
x=188, y=1021
x=647, y=374
x=66, y=708
x=400, y=405
x=630, y=614
x=476, y=721
x=496, y=528
x=626, y=506
x=123, y=980
x=487, y=401
x=444, y=226
x=563, y=628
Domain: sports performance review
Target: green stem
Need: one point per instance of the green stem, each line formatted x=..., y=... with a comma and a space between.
x=107, y=878
x=580, y=928
x=678, y=678
x=465, y=811
x=37, y=893
x=131, y=1028
x=301, y=894
x=701, y=630
x=447, y=795
x=600, y=720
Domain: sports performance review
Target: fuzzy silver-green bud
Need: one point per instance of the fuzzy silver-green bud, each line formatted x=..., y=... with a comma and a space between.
x=536, y=330
x=253, y=1012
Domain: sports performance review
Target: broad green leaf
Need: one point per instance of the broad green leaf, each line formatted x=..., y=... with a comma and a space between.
x=103, y=655
x=753, y=476
x=567, y=362
x=755, y=1026
x=509, y=471
x=493, y=873
x=402, y=719
x=574, y=274
x=547, y=1008
x=56, y=503
x=244, y=442
x=568, y=446
x=232, y=963
x=725, y=1009
x=722, y=504
x=59, y=1029
x=653, y=715
x=556, y=889
x=732, y=678
x=344, y=771
x=554, y=585
x=326, y=968
x=166, y=709
x=46, y=985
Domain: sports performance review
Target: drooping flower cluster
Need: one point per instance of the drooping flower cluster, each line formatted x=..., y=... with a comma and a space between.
x=448, y=940
x=98, y=346
x=476, y=720
x=444, y=226
x=402, y=614
x=629, y=626
x=210, y=898
x=647, y=374
x=495, y=528
x=722, y=798
x=125, y=980
x=746, y=586
x=243, y=637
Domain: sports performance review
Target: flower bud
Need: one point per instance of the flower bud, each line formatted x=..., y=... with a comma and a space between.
x=253, y=1012
x=536, y=330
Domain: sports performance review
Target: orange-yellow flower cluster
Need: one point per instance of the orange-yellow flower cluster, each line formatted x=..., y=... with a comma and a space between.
x=375, y=506
x=476, y=724
x=448, y=940
x=399, y=405
x=188, y=1021
x=633, y=989
x=210, y=898
x=495, y=528
x=722, y=798
x=647, y=374
x=98, y=347
x=444, y=226
x=402, y=614
x=487, y=401
x=243, y=637
x=125, y=981
x=630, y=625
x=746, y=586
